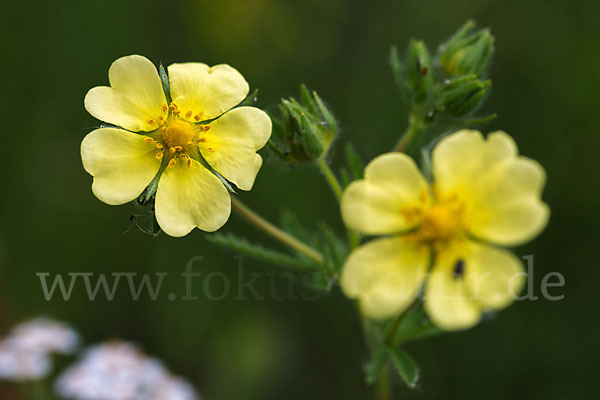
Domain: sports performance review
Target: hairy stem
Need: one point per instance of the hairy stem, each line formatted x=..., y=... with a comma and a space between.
x=353, y=238
x=383, y=386
x=331, y=179
x=273, y=231
x=414, y=125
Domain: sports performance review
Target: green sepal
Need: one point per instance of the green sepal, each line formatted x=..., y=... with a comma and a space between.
x=467, y=53
x=406, y=366
x=251, y=99
x=166, y=85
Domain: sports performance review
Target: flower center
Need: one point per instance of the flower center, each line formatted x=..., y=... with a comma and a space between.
x=439, y=223
x=178, y=135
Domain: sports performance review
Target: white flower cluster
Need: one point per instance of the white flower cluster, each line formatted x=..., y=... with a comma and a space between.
x=119, y=371
x=25, y=352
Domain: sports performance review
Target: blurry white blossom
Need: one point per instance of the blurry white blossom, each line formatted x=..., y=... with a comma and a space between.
x=119, y=371
x=25, y=352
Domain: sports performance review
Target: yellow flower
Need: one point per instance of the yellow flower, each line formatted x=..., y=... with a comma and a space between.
x=168, y=141
x=484, y=195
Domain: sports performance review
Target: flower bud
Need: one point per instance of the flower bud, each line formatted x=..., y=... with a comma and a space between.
x=305, y=130
x=414, y=75
x=467, y=53
x=462, y=96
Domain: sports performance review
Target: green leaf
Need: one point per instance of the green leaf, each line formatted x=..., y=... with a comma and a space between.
x=290, y=223
x=251, y=99
x=396, y=66
x=418, y=333
x=355, y=163
x=243, y=246
x=378, y=361
x=406, y=367
x=164, y=79
x=427, y=164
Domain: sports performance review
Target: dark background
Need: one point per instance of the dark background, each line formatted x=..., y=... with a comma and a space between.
x=546, y=80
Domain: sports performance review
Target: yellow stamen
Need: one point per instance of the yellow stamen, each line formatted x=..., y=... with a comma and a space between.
x=159, y=155
x=172, y=162
x=177, y=133
x=148, y=140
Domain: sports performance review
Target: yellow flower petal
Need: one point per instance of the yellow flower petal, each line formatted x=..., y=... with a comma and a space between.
x=385, y=275
x=233, y=140
x=461, y=158
x=190, y=196
x=135, y=99
x=381, y=203
x=511, y=224
x=506, y=207
x=121, y=163
x=501, y=189
x=448, y=299
x=202, y=92
x=494, y=277
x=470, y=280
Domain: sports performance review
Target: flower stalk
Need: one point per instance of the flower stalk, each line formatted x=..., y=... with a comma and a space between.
x=276, y=233
x=414, y=126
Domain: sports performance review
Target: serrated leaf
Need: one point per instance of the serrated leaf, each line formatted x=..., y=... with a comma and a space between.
x=406, y=366
x=243, y=246
x=375, y=365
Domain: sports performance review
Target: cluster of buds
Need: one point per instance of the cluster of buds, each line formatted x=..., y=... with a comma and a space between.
x=304, y=130
x=450, y=86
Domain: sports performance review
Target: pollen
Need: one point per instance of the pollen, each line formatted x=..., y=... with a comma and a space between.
x=177, y=135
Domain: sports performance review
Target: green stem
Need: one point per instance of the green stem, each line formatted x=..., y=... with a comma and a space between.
x=383, y=386
x=274, y=231
x=331, y=179
x=389, y=338
x=353, y=238
x=414, y=125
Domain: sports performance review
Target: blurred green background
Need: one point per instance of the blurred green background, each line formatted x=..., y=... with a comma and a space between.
x=546, y=91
